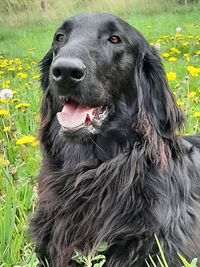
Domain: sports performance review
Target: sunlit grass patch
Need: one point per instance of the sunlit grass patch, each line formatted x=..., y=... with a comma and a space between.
x=19, y=157
x=181, y=62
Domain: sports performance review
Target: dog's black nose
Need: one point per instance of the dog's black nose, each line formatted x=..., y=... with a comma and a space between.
x=68, y=72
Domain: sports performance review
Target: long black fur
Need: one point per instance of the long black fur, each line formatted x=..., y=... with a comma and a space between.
x=135, y=177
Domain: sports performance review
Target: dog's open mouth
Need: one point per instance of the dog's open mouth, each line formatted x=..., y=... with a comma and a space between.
x=75, y=116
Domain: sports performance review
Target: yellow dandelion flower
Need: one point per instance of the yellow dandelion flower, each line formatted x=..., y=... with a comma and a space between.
x=198, y=52
x=7, y=129
x=193, y=71
x=17, y=61
x=3, y=101
x=164, y=36
x=185, y=44
x=20, y=68
x=179, y=36
x=11, y=69
x=172, y=59
x=180, y=103
x=21, y=75
x=26, y=140
x=31, y=49
x=22, y=105
x=26, y=85
x=165, y=55
x=196, y=114
x=14, y=100
x=171, y=76
x=186, y=57
x=6, y=84
x=36, y=77
x=35, y=144
x=175, y=50
x=195, y=100
x=4, y=112
x=192, y=94
x=190, y=36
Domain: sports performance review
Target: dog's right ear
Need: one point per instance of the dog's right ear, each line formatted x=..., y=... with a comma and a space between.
x=44, y=68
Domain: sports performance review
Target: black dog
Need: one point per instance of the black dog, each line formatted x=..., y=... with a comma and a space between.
x=114, y=169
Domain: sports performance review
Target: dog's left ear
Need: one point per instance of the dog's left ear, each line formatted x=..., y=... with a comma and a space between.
x=156, y=104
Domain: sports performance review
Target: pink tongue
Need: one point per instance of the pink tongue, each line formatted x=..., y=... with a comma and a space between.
x=73, y=115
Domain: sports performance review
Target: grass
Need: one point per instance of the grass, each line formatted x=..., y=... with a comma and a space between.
x=99, y=259
x=18, y=12
x=39, y=35
x=22, y=47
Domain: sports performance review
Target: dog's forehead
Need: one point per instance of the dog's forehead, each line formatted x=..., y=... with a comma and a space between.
x=99, y=23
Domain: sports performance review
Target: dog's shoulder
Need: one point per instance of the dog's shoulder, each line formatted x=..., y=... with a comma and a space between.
x=190, y=142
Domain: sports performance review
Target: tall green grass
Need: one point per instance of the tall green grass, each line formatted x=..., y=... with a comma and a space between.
x=18, y=12
x=39, y=35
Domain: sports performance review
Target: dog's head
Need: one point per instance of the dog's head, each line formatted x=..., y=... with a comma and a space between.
x=97, y=66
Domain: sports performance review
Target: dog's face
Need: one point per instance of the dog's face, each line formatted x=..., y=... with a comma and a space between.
x=91, y=66
x=96, y=62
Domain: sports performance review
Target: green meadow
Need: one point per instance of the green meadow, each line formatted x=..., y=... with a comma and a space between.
x=25, y=37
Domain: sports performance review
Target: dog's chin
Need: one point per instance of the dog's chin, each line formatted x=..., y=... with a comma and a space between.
x=79, y=134
x=81, y=122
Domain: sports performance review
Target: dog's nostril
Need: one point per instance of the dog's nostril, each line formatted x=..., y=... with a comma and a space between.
x=57, y=73
x=77, y=74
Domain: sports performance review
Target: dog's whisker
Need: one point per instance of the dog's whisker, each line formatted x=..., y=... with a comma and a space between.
x=97, y=145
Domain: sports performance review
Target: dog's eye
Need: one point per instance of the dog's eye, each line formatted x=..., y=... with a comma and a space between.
x=115, y=40
x=59, y=37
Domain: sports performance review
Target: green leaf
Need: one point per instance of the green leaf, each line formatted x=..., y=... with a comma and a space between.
x=194, y=262
x=152, y=261
x=147, y=263
x=187, y=264
x=103, y=247
x=160, y=261
x=99, y=257
x=100, y=264
x=78, y=258
x=161, y=252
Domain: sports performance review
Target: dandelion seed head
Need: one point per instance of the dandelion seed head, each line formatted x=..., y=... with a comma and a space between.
x=6, y=94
